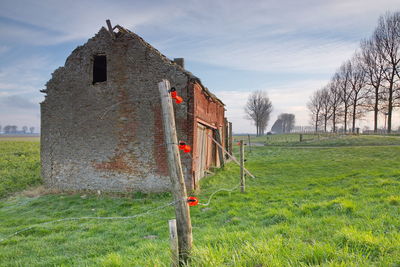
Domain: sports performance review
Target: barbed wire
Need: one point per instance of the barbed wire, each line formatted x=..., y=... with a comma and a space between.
x=148, y=212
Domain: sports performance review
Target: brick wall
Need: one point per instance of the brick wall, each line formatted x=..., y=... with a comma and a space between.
x=109, y=136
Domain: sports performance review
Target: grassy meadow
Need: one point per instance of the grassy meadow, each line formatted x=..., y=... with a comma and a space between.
x=333, y=205
x=323, y=139
x=19, y=164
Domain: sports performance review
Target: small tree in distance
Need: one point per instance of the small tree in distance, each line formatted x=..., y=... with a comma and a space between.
x=258, y=109
x=314, y=105
x=288, y=121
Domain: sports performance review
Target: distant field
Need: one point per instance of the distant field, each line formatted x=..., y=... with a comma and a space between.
x=19, y=138
x=308, y=206
x=322, y=140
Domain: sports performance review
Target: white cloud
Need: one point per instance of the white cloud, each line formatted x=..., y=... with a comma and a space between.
x=288, y=36
x=291, y=56
x=285, y=36
x=49, y=22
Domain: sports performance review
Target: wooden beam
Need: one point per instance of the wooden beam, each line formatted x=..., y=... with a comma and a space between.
x=226, y=135
x=178, y=189
x=231, y=156
x=110, y=28
x=220, y=152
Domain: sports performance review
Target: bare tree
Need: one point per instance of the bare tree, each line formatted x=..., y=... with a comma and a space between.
x=258, y=109
x=24, y=129
x=345, y=90
x=368, y=82
x=7, y=129
x=326, y=107
x=357, y=86
x=314, y=105
x=31, y=129
x=335, y=100
x=10, y=129
x=373, y=65
x=387, y=38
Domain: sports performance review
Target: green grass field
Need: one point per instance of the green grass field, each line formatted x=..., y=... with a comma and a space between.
x=323, y=139
x=327, y=206
x=19, y=164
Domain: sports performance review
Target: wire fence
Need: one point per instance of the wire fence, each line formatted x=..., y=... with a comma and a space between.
x=101, y=115
x=285, y=139
x=146, y=213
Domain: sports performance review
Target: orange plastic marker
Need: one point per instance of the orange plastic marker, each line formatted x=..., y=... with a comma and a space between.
x=178, y=99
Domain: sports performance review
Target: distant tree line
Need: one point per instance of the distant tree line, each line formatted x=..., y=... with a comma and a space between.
x=284, y=124
x=368, y=82
x=13, y=129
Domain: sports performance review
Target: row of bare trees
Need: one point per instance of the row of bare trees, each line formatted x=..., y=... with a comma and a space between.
x=13, y=129
x=368, y=82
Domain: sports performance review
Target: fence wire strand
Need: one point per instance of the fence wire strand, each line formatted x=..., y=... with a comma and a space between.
x=219, y=190
x=101, y=115
x=151, y=211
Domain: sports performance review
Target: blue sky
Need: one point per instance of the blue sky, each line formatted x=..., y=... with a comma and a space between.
x=288, y=48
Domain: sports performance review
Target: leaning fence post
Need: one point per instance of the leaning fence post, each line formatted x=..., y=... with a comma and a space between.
x=173, y=242
x=242, y=179
x=220, y=152
x=178, y=189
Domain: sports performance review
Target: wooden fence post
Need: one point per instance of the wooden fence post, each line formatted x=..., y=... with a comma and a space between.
x=301, y=137
x=220, y=152
x=173, y=242
x=178, y=189
x=248, y=137
x=242, y=179
x=230, y=139
x=226, y=138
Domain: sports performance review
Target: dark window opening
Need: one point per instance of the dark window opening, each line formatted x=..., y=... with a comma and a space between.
x=99, y=69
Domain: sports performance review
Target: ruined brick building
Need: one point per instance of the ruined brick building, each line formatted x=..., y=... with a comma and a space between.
x=101, y=124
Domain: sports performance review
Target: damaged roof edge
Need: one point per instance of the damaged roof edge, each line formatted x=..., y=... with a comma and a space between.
x=190, y=75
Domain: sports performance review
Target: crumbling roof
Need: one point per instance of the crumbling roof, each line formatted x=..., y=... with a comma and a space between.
x=123, y=31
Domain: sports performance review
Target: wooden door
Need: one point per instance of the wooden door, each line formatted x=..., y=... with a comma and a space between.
x=201, y=152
